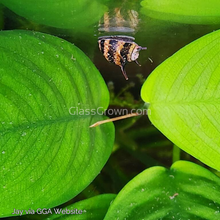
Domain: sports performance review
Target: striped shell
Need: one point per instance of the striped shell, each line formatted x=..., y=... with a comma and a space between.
x=120, y=50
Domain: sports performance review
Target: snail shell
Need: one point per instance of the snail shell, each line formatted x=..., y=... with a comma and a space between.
x=120, y=50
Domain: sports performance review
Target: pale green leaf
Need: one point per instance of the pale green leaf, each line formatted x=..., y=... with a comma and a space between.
x=184, y=98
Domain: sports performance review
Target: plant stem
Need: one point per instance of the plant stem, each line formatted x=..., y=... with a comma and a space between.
x=113, y=119
x=176, y=153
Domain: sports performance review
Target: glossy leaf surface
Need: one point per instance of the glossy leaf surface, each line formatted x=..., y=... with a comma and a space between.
x=49, y=96
x=186, y=191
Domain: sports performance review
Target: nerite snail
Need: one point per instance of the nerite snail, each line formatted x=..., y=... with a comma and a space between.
x=120, y=50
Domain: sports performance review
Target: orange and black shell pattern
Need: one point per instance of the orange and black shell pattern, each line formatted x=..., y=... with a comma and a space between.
x=119, y=50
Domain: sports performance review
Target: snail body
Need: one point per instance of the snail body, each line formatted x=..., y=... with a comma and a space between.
x=120, y=50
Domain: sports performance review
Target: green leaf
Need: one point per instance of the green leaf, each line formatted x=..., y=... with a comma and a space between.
x=48, y=153
x=184, y=98
x=186, y=191
x=92, y=208
x=186, y=11
x=78, y=15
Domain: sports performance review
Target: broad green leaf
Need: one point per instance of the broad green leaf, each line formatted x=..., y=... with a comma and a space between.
x=48, y=153
x=186, y=191
x=184, y=99
x=184, y=11
x=92, y=208
x=77, y=14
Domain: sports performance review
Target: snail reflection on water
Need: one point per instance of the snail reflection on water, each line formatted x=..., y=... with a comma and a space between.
x=120, y=50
